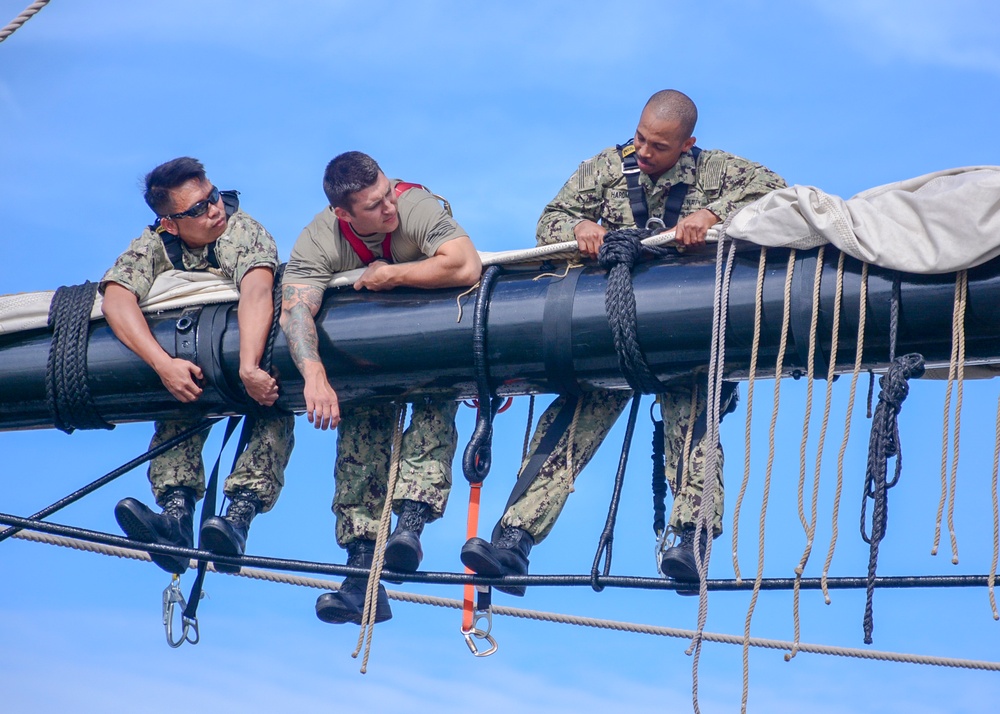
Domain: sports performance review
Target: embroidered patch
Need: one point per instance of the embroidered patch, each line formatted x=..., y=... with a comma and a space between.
x=586, y=175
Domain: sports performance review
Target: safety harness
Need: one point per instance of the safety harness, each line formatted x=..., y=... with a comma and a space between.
x=172, y=243
x=637, y=197
x=358, y=245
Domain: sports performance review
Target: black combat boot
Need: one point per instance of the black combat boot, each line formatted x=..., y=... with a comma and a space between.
x=507, y=555
x=348, y=603
x=228, y=535
x=678, y=561
x=172, y=527
x=402, y=551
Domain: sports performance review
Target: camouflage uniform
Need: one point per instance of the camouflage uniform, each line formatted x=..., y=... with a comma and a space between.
x=261, y=468
x=364, y=443
x=364, y=436
x=598, y=192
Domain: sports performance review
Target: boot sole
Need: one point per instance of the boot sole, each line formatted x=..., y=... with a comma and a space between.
x=331, y=614
x=477, y=558
x=137, y=530
x=216, y=539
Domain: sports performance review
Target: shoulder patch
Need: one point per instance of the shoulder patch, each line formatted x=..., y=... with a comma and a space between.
x=711, y=167
x=586, y=176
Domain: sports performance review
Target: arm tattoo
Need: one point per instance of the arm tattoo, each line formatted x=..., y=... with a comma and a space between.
x=299, y=305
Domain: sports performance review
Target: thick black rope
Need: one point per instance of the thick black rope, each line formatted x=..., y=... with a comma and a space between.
x=608, y=534
x=478, y=455
x=440, y=578
x=883, y=445
x=67, y=392
x=619, y=254
x=112, y=475
x=659, y=476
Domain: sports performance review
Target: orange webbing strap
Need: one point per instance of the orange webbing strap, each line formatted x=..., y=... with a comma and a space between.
x=476, y=600
x=471, y=530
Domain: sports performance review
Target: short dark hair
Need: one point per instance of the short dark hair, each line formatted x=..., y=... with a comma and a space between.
x=348, y=173
x=676, y=106
x=165, y=177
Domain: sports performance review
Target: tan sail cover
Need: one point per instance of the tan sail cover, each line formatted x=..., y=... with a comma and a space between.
x=937, y=223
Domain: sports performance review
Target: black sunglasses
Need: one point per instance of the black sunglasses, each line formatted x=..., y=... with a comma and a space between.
x=197, y=209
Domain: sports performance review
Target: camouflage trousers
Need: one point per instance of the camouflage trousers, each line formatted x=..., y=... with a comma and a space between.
x=364, y=446
x=538, y=508
x=260, y=469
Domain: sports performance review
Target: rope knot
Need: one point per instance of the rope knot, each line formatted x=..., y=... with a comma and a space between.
x=622, y=247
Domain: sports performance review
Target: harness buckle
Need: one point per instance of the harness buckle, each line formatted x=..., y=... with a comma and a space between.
x=172, y=596
x=478, y=633
x=656, y=225
x=626, y=170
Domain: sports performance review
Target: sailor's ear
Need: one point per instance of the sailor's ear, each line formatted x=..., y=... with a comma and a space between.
x=168, y=225
x=342, y=214
x=688, y=144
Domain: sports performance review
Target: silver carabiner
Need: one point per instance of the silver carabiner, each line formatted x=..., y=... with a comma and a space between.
x=172, y=596
x=480, y=634
x=652, y=223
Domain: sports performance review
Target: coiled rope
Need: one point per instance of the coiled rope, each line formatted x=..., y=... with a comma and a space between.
x=67, y=391
x=618, y=255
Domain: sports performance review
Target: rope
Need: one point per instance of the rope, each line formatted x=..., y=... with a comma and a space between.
x=478, y=455
x=527, y=428
x=858, y=351
x=67, y=390
x=541, y=616
x=782, y=346
x=809, y=526
x=883, y=445
x=996, y=518
x=706, y=512
x=608, y=534
x=659, y=479
x=25, y=15
x=571, y=435
x=754, y=354
x=378, y=559
x=619, y=253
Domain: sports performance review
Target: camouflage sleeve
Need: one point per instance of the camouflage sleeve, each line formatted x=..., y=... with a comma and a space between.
x=136, y=268
x=255, y=247
x=734, y=182
x=579, y=199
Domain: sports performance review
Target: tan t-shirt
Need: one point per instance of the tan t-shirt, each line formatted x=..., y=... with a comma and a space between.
x=321, y=250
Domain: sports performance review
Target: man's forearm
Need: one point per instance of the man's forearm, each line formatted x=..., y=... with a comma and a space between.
x=256, y=311
x=300, y=303
x=121, y=309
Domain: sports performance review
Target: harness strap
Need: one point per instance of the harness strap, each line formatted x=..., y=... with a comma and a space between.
x=636, y=195
x=358, y=245
x=559, y=426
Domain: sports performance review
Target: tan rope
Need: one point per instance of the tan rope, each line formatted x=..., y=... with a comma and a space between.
x=810, y=526
x=26, y=14
x=458, y=299
x=378, y=560
x=996, y=518
x=754, y=354
x=858, y=352
x=956, y=372
x=569, y=266
x=959, y=328
x=558, y=618
x=782, y=346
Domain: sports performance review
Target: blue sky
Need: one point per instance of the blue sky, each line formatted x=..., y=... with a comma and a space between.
x=493, y=106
